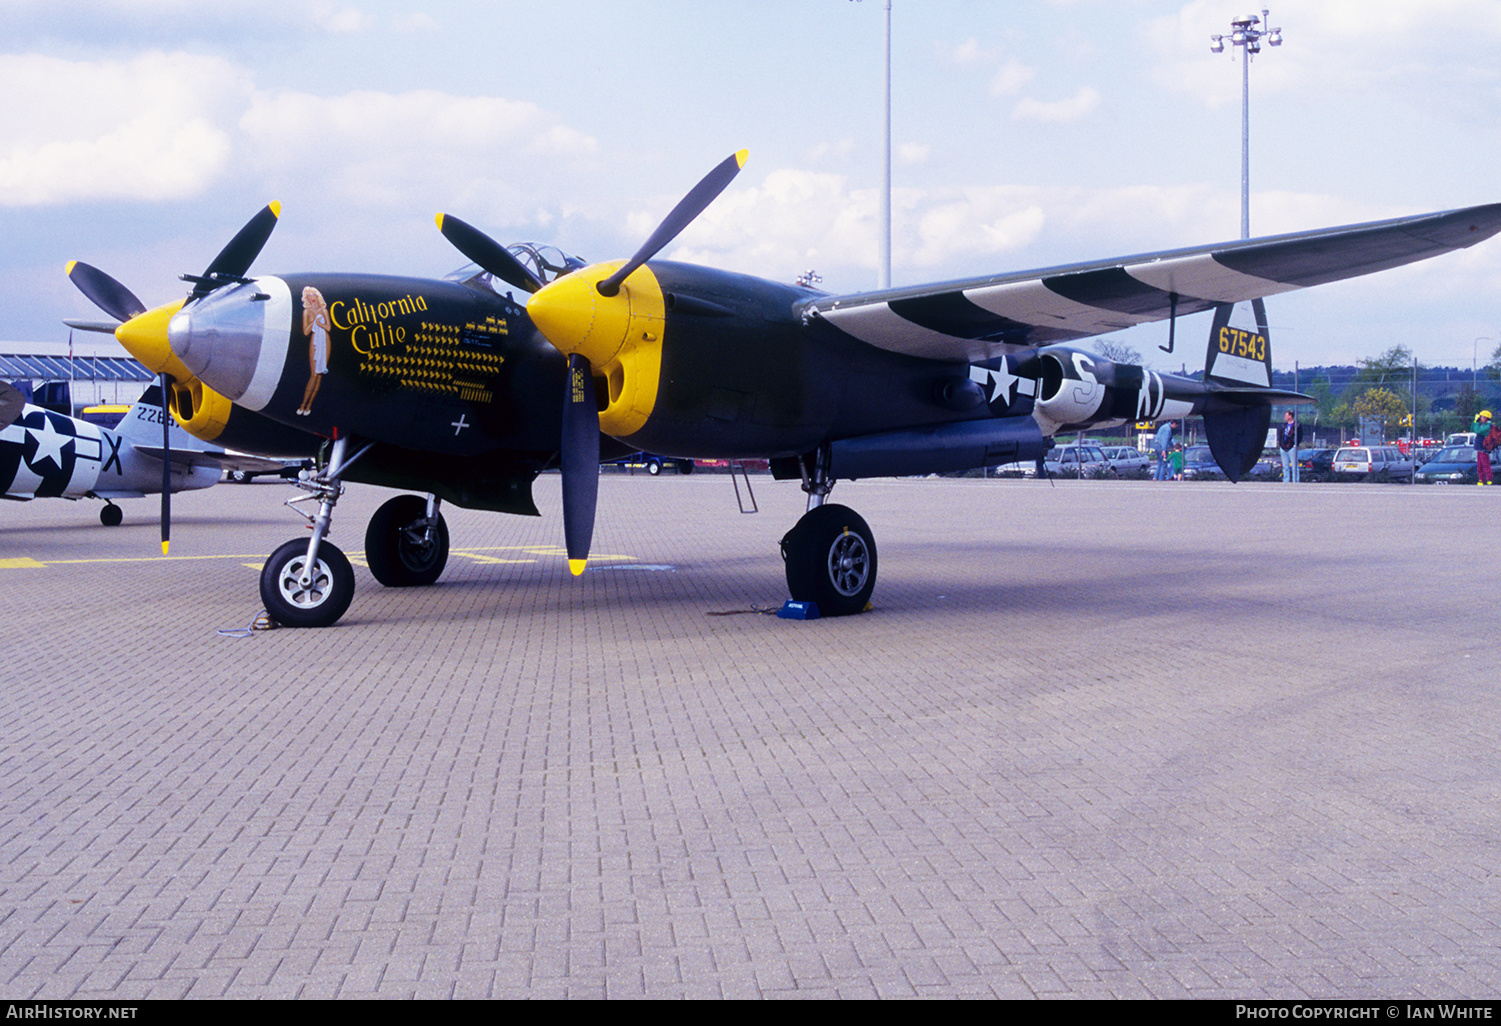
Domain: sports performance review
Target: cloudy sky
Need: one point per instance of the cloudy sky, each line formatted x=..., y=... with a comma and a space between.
x=139, y=134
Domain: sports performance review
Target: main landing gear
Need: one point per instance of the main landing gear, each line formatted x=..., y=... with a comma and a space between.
x=310, y=584
x=406, y=544
x=830, y=553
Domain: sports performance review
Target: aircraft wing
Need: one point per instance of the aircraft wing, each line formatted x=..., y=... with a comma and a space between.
x=982, y=318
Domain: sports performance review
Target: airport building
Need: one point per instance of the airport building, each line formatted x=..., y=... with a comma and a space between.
x=93, y=370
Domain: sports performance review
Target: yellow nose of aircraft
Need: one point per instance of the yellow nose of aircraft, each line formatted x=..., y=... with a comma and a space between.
x=145, y=337
x=620, y=336
x=577, y=320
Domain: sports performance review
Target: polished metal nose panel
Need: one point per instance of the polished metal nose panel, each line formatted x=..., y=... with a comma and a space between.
x=235, y=339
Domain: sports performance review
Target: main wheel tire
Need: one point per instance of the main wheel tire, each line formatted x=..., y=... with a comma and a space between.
x=111, y=515
x=239, y=477
x=395, y=550
x=831, y=560
x=318, y=605
x=654, y=467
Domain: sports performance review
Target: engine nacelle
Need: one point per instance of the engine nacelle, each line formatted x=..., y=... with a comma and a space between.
x=1069, y=390
x=1077, y=389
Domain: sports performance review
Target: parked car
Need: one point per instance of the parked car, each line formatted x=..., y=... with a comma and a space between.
x=1268, y=467
x=1023, y=468
x=1076, y=460
x=1316, y=464
x=1199, y=465
x=1373, y=463
x=1453, y=465
x=1128, y=461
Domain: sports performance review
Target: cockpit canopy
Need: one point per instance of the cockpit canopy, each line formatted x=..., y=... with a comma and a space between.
x=546, y=262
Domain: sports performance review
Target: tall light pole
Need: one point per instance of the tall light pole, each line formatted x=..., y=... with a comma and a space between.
x=1246, y=35
x=883, y=279
x=883, y=270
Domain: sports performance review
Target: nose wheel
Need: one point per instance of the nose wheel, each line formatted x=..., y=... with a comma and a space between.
x=299, y=594
x=310, y=583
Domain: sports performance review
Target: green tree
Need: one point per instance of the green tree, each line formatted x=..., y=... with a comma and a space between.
x=1381, y=405
x=1392, y=369
x=1466, y=405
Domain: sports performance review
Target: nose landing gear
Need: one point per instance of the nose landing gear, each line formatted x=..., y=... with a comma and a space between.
x=310, y=584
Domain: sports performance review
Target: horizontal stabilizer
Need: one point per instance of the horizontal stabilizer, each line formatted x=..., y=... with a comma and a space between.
x=1259, y=397
x=212, y=458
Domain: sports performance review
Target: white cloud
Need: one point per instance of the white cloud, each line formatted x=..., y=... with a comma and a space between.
x=968, y=52
x=1011, y=79
x=341, y=20
x=148, y=128
x=913, y=153
x=839, y=149
x=1075, y=108
x=376, y=147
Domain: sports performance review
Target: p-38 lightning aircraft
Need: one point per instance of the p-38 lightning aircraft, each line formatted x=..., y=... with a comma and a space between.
x=465, y=391
x=48, y=455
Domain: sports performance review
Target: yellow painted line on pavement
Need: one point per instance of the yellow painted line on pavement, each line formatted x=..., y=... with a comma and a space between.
x=475, y=554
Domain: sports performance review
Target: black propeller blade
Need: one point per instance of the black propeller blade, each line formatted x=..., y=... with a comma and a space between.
x=235, y=258
x=580, y=462
x=689, y=207
x=166, y=466
x=105, y=292
x=488, y=253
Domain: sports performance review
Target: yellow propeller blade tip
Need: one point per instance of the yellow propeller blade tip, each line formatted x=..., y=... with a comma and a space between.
x=164, y=547
x=275, y=206
x=741, y=156
x=576, y=566
x=439, y=218
x=69, y=269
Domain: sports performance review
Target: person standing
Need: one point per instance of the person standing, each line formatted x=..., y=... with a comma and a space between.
x=1486, y=439
x=1287, y=440
x=1162, y=443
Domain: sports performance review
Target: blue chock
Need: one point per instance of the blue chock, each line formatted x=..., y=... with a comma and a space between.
x=798, y=610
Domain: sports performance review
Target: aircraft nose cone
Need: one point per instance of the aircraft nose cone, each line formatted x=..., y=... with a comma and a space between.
x=145, y=337
x=576, y=319
x=222, y=337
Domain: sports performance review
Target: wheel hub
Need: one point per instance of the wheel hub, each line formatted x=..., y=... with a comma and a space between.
x=849, y=563
x=311, y=594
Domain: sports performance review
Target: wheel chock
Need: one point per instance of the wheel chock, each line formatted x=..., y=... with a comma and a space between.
x=798, y=611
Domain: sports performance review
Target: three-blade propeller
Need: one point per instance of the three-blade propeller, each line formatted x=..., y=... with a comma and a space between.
x=121, y=304
x=580, y=439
